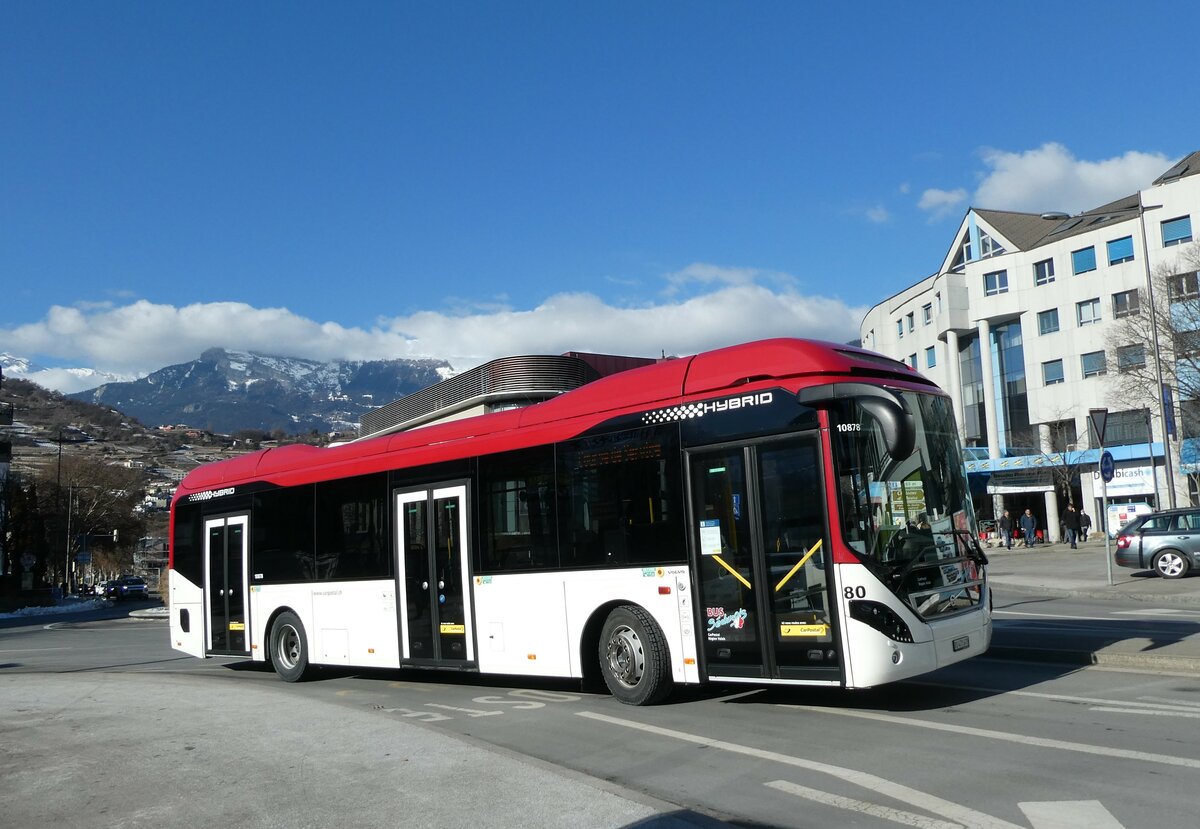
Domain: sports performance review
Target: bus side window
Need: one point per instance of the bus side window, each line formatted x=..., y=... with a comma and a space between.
x=518, y=526
x=282, y=531
x=620, y=501
x=351, y=529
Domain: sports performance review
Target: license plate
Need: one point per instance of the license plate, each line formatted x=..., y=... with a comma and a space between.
x=962, y=643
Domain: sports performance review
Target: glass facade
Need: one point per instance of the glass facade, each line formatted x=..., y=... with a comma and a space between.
x=971, y=371
x=1013, y=405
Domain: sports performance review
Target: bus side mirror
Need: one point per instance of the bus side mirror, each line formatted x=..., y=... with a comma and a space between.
x=896, y=423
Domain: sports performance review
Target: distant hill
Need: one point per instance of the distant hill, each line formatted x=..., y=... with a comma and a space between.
x=231, y=391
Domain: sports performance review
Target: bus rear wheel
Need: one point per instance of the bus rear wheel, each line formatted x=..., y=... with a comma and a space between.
x=634, y=657
x=289, y=647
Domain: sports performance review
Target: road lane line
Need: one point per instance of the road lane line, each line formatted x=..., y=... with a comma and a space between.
x=34, y=650
x=952, y=811
x=1187, y=703
x=1195, y=715
x=860, y=806
x=1070, y=814
x=1150, y=702
x=1041, y=742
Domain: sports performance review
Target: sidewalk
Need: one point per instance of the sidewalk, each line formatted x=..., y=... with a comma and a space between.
x=1055, y=570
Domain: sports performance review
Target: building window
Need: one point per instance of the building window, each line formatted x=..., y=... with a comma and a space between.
x=927, y=313
x=1093, y=364
x=1087, y=312
x=911, y=321
x=1130, y=357
x=1052, y=372
x=1120, y=250
x=1177, y=231
x=1048, y=321
x=1043, y=272
x=1183, y=286
x=900, y=329
x=912, y=360
x=930, y=357
x=1063, y=435
x=1083, y=260
x=1125, y=303
x=995, y=283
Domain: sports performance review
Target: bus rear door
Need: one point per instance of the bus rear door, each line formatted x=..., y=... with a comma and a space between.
x=762, y=562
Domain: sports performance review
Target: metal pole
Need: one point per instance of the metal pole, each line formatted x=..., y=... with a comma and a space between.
x=1107, y=551
x=1168, y=466
x=67, y=560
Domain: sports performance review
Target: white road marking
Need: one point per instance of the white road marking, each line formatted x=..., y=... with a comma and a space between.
x=1166, y=611
x=1150, y=702
x=1041, y=742
x=34, y=650
x=1070, y=814
x=930, y=803
x=1189, y=703
x=861, y=806
x=1060, y=616
x=1195, y=715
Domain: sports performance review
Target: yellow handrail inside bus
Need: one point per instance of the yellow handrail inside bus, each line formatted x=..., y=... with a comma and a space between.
x=799, y=564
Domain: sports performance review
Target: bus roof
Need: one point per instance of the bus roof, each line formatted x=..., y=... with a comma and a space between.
x=724, y=369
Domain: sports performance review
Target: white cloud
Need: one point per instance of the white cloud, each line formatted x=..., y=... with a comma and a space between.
x=941, y=202
x=1050, y=178
x=878, y=214
x=734, y=306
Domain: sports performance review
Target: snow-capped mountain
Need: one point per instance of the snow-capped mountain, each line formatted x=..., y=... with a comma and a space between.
x=227, y=391
x=66, y=380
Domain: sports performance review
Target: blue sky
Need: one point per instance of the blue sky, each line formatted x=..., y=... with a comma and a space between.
x=466, y=180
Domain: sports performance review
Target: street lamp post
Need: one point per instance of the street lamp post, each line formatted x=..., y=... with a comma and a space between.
x=1168, y=465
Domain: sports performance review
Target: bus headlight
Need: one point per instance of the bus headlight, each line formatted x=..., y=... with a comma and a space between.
x=882, y=618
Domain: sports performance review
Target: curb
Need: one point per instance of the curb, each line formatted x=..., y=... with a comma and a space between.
x=1142, y=661
x=1113, y=592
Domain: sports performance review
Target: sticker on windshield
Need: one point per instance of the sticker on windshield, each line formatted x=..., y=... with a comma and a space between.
x=710, y=537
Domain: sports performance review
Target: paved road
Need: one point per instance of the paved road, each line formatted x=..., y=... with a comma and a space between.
x=103, y=724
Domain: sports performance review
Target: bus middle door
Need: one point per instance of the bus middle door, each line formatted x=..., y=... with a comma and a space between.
x=436, y=625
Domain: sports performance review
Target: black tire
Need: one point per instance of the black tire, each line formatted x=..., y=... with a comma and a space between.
x=1171, y=564
x=634, y=658
x=289, y=647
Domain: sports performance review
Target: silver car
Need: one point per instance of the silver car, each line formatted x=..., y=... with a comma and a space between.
x=1167, y=542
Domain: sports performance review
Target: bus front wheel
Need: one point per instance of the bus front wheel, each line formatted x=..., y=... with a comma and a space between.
x=634, y=657
x=289, y=647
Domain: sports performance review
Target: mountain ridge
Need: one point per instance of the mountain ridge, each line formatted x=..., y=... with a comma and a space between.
x=227, y=391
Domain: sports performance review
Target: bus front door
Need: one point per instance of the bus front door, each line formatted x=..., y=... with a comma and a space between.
x=759, y=532
x=435, y=596
x=225, y=585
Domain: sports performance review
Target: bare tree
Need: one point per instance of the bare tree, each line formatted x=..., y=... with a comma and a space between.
x=1175, y=312
x=1174, y=315
x=92, y=504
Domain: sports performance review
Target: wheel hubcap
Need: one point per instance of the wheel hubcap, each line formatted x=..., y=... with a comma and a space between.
x=1170, y=565
x=289, y=646
x=626, y=658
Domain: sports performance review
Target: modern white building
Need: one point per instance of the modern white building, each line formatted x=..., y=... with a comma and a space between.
x=1014, y=325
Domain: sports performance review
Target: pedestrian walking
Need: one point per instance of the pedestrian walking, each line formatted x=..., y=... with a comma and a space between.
x=1071, y=525
x=1006, y=530
x=1085, y=524
x=1028, y=527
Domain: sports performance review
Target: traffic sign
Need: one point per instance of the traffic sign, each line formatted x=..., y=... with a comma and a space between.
x=1107, y=469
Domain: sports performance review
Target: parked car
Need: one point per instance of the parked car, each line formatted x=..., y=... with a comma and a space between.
x=128, y=587
x=1166, y=542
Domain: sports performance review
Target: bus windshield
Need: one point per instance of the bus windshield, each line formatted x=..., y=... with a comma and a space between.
x=909, y=519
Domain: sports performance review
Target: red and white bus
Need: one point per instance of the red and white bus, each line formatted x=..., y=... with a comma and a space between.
x=784, y=511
